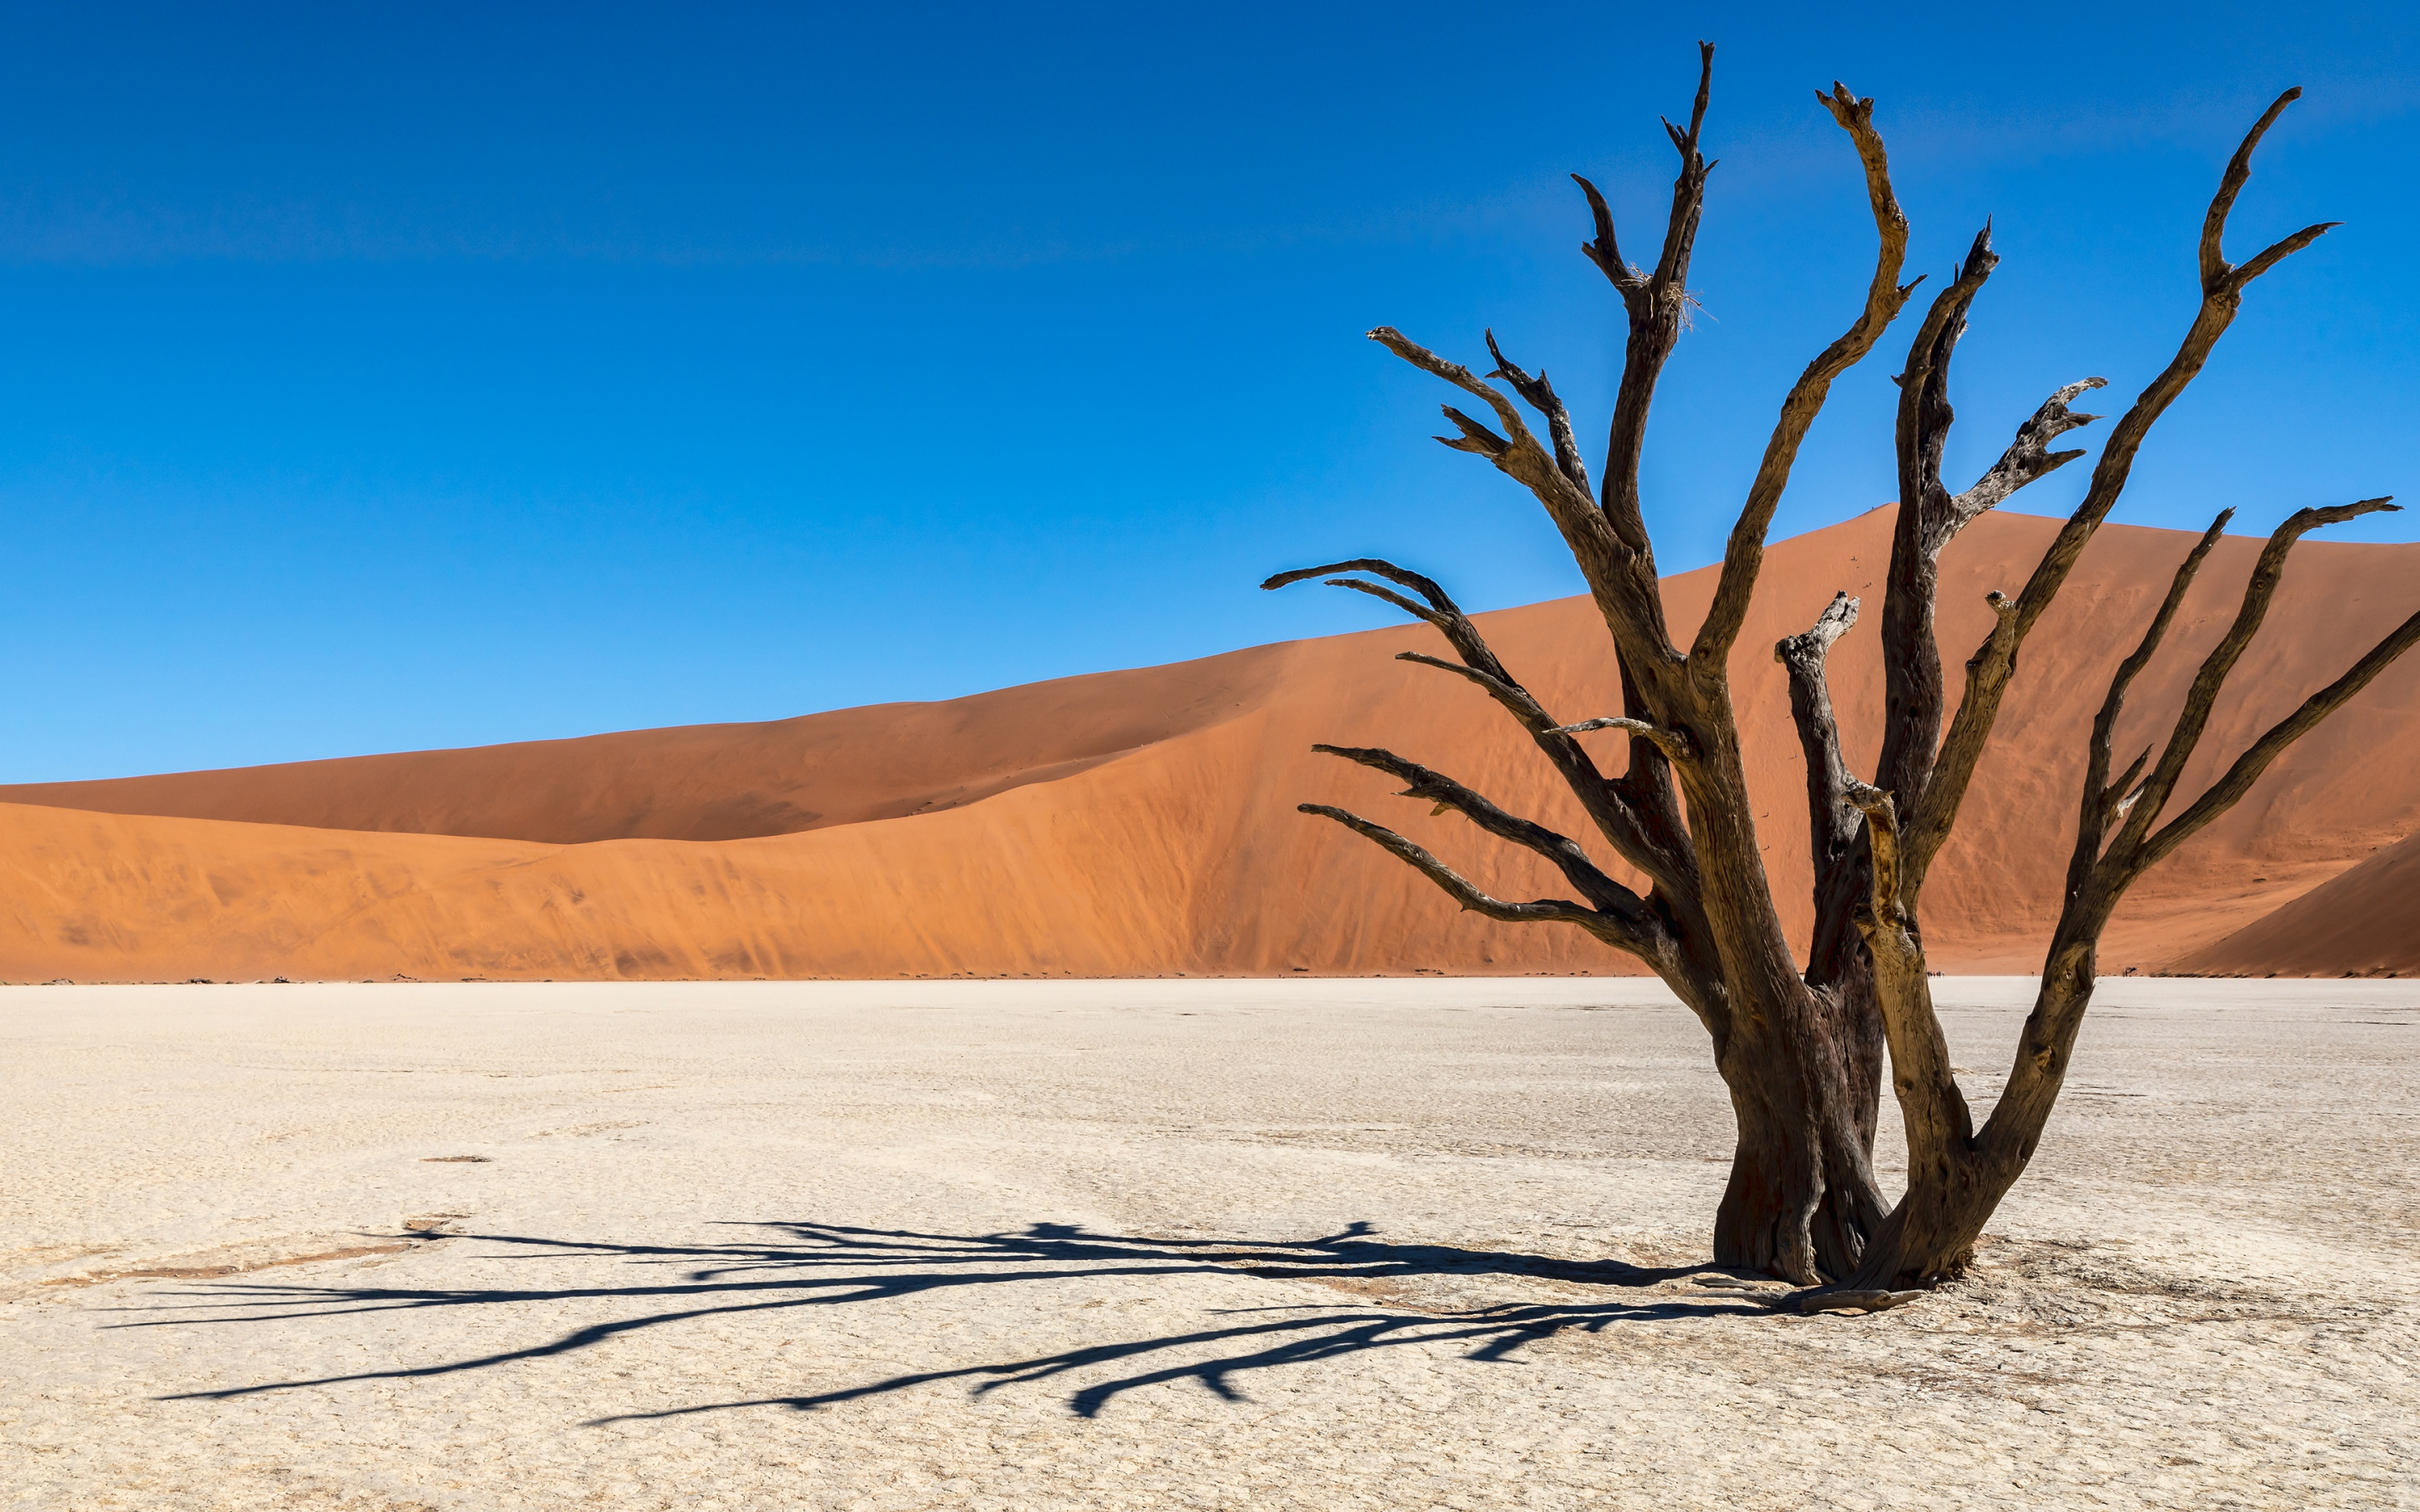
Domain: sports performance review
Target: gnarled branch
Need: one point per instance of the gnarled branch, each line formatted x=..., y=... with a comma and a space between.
x=2028, y=458
x=1674, y=743
x=1664, y=857
x=2201, y=699
x=1925, y=415
x=1939, y=1123
x=2106, y=803
x=1656, y=304
x=1540, y=395
x=1832, y=827
x=1930, y=516
x=1995, y=663
x=1603, y=893
x=1744, y=556
x=1458, y=886
x=1516, y=452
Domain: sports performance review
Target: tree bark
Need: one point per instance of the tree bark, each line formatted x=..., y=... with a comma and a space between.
x=1801, y=1202
x=1802, y=1052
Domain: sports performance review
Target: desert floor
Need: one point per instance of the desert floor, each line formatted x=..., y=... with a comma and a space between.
x=1296, y=1245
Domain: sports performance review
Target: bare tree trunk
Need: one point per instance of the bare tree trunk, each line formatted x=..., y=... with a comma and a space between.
x=1802, y=1201
x=1802, y=1052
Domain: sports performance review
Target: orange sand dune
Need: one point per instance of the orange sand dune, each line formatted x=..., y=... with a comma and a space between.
x=1142, y=823
x=713, y=781
x=2366, y=922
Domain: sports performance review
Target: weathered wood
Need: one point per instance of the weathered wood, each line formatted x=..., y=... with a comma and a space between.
x=1743, y=554
x=1801, y=1050
x=1841, y=1300
x=1993, y=664
x=1632, y=817
x=1834, y=823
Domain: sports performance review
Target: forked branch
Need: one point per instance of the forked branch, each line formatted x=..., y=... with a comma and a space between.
x=1988, y=672
x=1921, y=431
x=1929, y=517
x=1656, y=304
x=2230, y=789
x=1602, y=892
x=1540, y=395
x=1455, y=885
x=2219, y=276
x=2106, y=803
x=1663, y=859
x=1632, y=928
x=2201, y=699
x=1515, y=451
x=2098, y=883
x=1926, y=416
x=2028, y=458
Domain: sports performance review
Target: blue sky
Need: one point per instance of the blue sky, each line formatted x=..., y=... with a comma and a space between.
x=382, y=377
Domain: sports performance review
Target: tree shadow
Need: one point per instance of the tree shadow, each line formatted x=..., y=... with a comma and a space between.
x=826, y=1265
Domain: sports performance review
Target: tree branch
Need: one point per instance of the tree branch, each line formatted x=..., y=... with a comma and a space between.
x=1988, y=672
x=1640, y=934
x=1511, y=695
x=1832, y=827
x=1664, y=859
x=1914, y=696
x=1744, y=557
x=1547, y=910
x=1654, y=304
x=1516, y=452
x=2228, y=790
x=2028, y=458
x=2101, y=795
x=1836, y=955
x=1540, y=395
x=1925, y=416
x=1377, y=567
x=1605, y=252
x=1939, y=1123
x=2202, y=697
x=1602, y=892
x=2049, y=1038
x=2217, y=274
x=1675, y=744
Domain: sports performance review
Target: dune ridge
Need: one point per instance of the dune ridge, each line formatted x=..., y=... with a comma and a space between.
x=714, y=781
x=1142, y=823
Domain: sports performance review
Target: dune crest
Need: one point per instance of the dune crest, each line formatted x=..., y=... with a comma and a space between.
x=1142, y=823
x=715, y=781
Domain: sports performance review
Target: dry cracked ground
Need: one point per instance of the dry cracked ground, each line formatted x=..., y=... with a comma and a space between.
x=1249, y=1245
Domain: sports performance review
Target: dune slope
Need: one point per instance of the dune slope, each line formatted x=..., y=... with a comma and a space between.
x=1144, y=823
x=714, y=781
x=2366, y=922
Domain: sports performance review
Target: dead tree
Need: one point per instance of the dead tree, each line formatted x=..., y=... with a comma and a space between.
x=1802, y=1050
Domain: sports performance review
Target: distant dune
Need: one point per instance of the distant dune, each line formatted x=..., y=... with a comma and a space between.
x=1142, y=823
x=2363, y=922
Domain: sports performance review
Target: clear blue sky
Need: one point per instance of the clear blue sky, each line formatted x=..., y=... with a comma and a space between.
x=388, y=376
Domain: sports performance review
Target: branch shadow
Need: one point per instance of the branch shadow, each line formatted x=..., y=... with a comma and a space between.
x=826, y=1265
